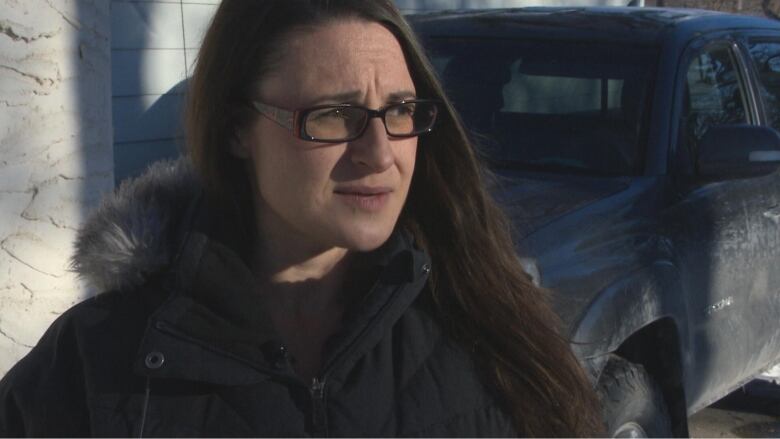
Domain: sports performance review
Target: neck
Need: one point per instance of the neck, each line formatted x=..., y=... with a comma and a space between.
x=306, y=301
x=283, y=267
x=307, y=286
x=296, y=272
x=313, y=277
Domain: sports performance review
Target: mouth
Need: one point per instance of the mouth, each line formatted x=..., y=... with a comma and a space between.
x=363, y=190
x=370, y=199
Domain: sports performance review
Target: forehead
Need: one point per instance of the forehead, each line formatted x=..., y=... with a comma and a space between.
x=340, y=56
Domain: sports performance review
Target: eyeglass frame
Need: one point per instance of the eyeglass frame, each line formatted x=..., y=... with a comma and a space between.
x=293, y=120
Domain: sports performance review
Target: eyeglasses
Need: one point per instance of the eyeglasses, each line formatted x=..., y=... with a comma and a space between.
x=344, y=122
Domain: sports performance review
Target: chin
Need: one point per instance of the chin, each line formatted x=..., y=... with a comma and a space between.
x=363, y=240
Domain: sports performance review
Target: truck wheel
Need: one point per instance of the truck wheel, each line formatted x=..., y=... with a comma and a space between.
x=632, y=402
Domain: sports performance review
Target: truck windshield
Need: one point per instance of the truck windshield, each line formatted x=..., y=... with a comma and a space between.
x=550, y=106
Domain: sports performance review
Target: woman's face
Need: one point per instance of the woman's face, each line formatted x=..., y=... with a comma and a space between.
x=326, y=195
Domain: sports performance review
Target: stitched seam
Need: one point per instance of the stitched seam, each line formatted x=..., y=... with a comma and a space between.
x=422, y=365
x=403, y=389
x=145, y=411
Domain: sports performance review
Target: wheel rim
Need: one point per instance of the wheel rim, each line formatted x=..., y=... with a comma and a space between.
x=630, y=429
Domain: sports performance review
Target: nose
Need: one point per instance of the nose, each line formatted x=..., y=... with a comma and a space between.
x=373, y=149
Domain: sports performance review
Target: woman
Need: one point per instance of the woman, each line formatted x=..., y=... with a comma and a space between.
x=329, y=264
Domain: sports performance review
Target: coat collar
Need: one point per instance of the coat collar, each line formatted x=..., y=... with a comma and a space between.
x=215, y=329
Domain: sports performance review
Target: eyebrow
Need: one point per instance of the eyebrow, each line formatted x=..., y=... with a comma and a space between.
x=352, y=96
x=401, y=95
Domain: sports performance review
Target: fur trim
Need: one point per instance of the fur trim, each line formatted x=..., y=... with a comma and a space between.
x=135, y=231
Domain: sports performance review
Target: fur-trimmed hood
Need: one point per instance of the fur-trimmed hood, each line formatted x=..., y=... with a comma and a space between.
x=136, y=231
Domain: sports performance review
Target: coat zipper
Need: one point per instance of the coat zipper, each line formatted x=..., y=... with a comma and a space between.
x=317, y=389
x=319, y=420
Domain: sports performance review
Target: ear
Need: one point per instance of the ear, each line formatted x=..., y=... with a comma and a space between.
x=238, y=145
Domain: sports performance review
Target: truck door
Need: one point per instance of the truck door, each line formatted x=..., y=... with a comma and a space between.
x=716, y=229
x=764, y=54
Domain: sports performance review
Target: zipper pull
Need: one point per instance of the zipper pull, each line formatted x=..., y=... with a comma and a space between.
x=319, y=421
x=282, y=357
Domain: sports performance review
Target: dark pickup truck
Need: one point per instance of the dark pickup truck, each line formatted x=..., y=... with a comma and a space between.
x=636, y=153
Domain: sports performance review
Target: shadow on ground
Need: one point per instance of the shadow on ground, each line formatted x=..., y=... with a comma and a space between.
x=751, y=411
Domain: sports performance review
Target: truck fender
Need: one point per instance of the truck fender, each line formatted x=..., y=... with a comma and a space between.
x=625, y=307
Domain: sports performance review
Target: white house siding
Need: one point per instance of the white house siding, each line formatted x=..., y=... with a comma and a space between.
x=55, y=155
x=153, y=46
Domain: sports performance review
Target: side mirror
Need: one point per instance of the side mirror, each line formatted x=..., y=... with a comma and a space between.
x=733, y=151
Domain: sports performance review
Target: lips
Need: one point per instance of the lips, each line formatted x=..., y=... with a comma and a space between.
x=363, y=190
x=367, y=198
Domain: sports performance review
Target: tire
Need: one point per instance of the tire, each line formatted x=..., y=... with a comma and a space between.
x=632, y=402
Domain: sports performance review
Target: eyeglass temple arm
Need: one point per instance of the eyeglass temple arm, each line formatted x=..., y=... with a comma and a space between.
x=282, y=117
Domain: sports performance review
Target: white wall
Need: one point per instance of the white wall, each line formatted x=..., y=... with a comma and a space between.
x=55, y=155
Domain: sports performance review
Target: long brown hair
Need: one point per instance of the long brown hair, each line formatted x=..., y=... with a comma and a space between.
x=482, y=295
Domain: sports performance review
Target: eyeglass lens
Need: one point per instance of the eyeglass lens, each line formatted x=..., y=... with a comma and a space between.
x=336, y=123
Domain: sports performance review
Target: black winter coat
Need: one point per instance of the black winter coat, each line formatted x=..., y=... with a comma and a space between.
x=178, y=348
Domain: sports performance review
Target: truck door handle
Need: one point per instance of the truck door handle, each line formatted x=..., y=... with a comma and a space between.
x=773, y=214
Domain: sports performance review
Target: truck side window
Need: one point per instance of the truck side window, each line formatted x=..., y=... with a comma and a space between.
x=713, y=94
x=766, y=59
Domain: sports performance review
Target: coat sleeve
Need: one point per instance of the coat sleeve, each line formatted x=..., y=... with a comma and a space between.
x=43, y=394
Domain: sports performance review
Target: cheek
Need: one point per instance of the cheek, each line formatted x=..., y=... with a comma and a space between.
x=273, y=165
x=291, y=174
x=406, y=157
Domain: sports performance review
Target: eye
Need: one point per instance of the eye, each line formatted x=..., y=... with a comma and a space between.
x=338, y=113
x=330, y=114
x=402, y=110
